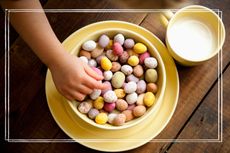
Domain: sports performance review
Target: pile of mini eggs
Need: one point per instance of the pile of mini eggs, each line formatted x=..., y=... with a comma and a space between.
x=130, y=73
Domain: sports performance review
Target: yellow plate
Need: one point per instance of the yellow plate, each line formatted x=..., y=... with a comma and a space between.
x=119, y=140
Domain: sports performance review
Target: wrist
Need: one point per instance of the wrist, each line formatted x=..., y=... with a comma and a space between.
x=57, y=59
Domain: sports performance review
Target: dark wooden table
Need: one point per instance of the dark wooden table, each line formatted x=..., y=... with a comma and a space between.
x=196, y=115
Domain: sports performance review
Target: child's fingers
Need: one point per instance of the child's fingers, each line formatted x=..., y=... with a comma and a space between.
x=92, y=73
x=78, y=96
x=85, y=90
x=70, y=98
x=94, y=84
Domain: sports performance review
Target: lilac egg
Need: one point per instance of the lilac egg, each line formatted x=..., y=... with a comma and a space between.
x=129, y=43
x=103, y=41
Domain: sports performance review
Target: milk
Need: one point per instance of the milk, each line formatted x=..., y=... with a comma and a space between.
x=191, y=39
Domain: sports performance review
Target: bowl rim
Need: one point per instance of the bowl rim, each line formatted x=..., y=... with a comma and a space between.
x=157, y=103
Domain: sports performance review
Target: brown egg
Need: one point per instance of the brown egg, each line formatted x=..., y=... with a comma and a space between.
x=121, y=105
x=119, y=119
x=138, y=71
x=115, y=66
x=152, y=87
x=139, y=111
x=124, y=57
x=97, y=51
x=85, y=53
x=128, y=114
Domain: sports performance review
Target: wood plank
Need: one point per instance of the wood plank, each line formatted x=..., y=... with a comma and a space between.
x=67, y=147
x=37, y=123
x=203, y=123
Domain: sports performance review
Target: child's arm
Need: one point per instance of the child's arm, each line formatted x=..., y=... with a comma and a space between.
x=73, y=78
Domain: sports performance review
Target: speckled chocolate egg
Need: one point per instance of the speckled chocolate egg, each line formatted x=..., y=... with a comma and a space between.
x=108, y=75
x=103, y=41
x=140, y=99
x=121, y=105
x=124, y=57
x=139, y=110
x=96, y=93
x=128, y=114
x=110, y=97
x=84, y=59
x=84, y=107
x=101, y=118
x=98, y=103
x=85, y=53
x=109, y=107
x=97, y=51
x=150, y=62
x=131, y=98
x=138, y=71
x=151, y=76
x=149, y=99
x=130, y=87
x=89, y=45
x=120, y=93
x=119, y=120
x=118, y=79
x=93, y=113
x=141, y=87
x=152, y=87
x=133, y=60
x=106, y=64
x=131, y=77
x=111, y=117
x=129, y=43
x=139, y=48
x=115, y=66
x=92, y=63
x=117, y=49
x=127, y=69
x=111, y=55
x=119, y=38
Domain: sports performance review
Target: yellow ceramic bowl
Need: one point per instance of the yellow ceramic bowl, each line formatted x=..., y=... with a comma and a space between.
x=160, y=69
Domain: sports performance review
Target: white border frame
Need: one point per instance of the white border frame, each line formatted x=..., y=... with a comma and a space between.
x=7, y=80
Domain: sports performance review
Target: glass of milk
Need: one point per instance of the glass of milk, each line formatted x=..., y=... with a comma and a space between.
x=194, y=34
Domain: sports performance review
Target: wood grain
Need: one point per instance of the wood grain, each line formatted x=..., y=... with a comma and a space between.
x=203, y=123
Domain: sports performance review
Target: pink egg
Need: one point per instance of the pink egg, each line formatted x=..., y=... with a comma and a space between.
x=143, y=56
x=97, y=70
x=109, y=107
x=117, y=49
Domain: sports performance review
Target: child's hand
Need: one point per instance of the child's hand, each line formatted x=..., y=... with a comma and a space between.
x=74, y=79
